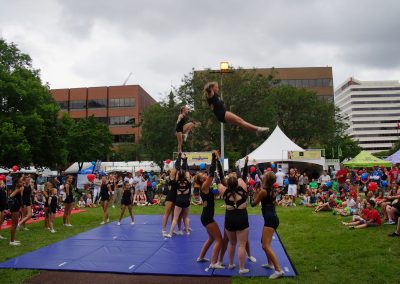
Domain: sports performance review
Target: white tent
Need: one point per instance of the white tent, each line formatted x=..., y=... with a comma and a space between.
x=276, y=148
x=130, y=166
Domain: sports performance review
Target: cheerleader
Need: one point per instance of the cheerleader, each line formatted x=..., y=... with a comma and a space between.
x=15, y=203
x=68, y=202
x=127, y=197
x=52, y=208
x=26, y=203
x=183, y=127
x=105, y=190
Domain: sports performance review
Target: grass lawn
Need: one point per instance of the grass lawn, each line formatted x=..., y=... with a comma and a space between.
x=321, y=249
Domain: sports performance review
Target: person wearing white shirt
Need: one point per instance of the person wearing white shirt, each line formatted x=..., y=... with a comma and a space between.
x=280, y=176
x=96, y=189
x=324, y=178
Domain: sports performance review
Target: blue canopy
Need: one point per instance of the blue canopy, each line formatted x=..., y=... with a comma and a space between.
x=90, y=170
x=394, y=158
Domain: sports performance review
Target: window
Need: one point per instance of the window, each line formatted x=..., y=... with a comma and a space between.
x=102, y=119
x=63, y=104
x=122, y=120
x=124, y=102
x=77, y=104
x=101, y=103
x=127, y=138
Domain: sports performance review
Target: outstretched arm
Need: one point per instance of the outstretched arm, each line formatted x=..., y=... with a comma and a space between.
x=258, y=196
x=245, y=169
x=221, y=172
x=206, y=185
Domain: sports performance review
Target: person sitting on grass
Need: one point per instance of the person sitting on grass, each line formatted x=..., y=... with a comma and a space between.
x=89, y=201
x=286, y=201
x=371, y=218
x=348, y=207
x=196, y=200
x=81, y=203
x=327, y=205
x=140, y=198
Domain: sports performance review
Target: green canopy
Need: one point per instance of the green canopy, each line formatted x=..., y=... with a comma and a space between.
x=366, y=160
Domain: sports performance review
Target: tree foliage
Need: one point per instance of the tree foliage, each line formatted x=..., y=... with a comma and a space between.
x=30, y=128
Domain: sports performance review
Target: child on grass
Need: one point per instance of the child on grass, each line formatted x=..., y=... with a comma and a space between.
x=371, y=218
x=81, y=203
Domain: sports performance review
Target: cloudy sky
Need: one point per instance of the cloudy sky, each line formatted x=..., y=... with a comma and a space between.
x=79, y=43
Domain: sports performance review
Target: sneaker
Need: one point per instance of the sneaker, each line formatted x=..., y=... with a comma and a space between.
x=108, y=220
x=390, y=222
x=53, y=231
x=276, y=275
x=102, y=223
x=231, y=266
x=178, y=233
x=14, y=243
x=203, y=260
x=2, y=238
x=216, y=266
x=113, y=206
x=68, y=225
x=267, y=266
x=244, y=271
x=118, y=223
x=187, y=233
x=26, y=229
x=167, y=236
x=252, y=259
x=163, y=232
x=394, y=234
x=133, y=223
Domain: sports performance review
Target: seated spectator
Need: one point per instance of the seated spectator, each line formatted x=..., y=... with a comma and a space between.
x=349, y=207
x=140, y=198
x=89, y=201
x=397, y=232
x=313, y=185
x=286, y=201
x=81, y=203
x=371, y=218
x=326, y=205
x=196, y=200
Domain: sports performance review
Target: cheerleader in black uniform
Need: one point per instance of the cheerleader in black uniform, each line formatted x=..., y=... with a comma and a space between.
x=3, y=203
x=47, y=193
x=236, y=219
x=105, y=190
x=207, y=215
x=127, y=198
x=183, y=194
x=26, y=203
x=217, y=105
x=68, y=202
x=267, y=198
x=14, y=204
x=52, y=208
x=183, y=127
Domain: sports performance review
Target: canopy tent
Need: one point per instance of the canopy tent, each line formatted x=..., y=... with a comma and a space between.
x=4, y=171
x=131, y=166
x=276, y=148
x=366, y=159
x=394, y=158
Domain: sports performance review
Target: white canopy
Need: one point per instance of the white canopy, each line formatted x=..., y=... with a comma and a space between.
x=130, y=166
x=275, y=148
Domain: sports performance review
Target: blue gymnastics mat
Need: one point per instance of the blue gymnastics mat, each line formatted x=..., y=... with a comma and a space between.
x=140, y=249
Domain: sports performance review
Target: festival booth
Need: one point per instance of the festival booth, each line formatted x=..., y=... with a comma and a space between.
x=366, y=160
x=195, y=160
x=121, y=167
x=394, y=158
x=279, y=150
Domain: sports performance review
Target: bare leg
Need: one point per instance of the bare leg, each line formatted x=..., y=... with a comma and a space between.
x=105, y=210
x=185, y=217
x=28, y=215
x=236, y=120
x=242, y=237
x=206, y=245
x=224, y=246
x=14, y=218
x=231, y=246
x=362, y=226
x=69, y=213
x=180, y=140
x=187, y=127
x=130, y=213
x=122, y=212
x=1, y=218
x=168, y=210
x=266, y=245
x=177, y=212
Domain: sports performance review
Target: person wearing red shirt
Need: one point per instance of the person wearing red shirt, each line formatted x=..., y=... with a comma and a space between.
x=372, y=218
x=341, y=175
x=393, y=174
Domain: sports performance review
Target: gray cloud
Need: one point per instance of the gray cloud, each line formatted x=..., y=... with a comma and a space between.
x=86, y=43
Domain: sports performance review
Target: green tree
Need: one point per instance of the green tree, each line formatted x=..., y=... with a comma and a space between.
x=14, y=147
x=129, y=152
x=27, y=104
x=87, y=140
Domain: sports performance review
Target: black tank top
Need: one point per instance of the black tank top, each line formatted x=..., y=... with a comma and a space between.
x=3, y=193
x=292, y=180
x=183, y=188
x=215, y=101
x=209, y=198
x=104, y=189
x=181, y=123
x=126, y=194
x=267, y=202
x=232, y=193
x=27, y=191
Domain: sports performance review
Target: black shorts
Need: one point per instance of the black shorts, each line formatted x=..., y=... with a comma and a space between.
x=236, y=220
x=14, y=205
x=182, y=201
x=69, y=199
x=126, y=202
x=207, y=218
x=271, y=220
x=105, y=197
x=179, y=128
x=3, y=205
x=171, y=197
x=53, y=209
x=26, y=202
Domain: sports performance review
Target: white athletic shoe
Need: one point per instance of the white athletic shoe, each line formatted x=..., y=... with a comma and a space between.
x=132, y=223
x=26, y=229
x=2, y=238
x=203, y=259
x=108, y=220
x=187, y=233
x=102, y=223
x=53, y=231
x=15, y=243
x=231, y=266
x=118, y=223
x=277, y=274
x=68, y=225
x=163, y=232
x=252, y=259
x=185, y=136
x=216, y=266
x=167, y=236
x=267, y=266
x=244, y=271
x=178, y=233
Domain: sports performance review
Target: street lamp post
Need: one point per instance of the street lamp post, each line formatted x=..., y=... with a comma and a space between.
x=224, y=68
